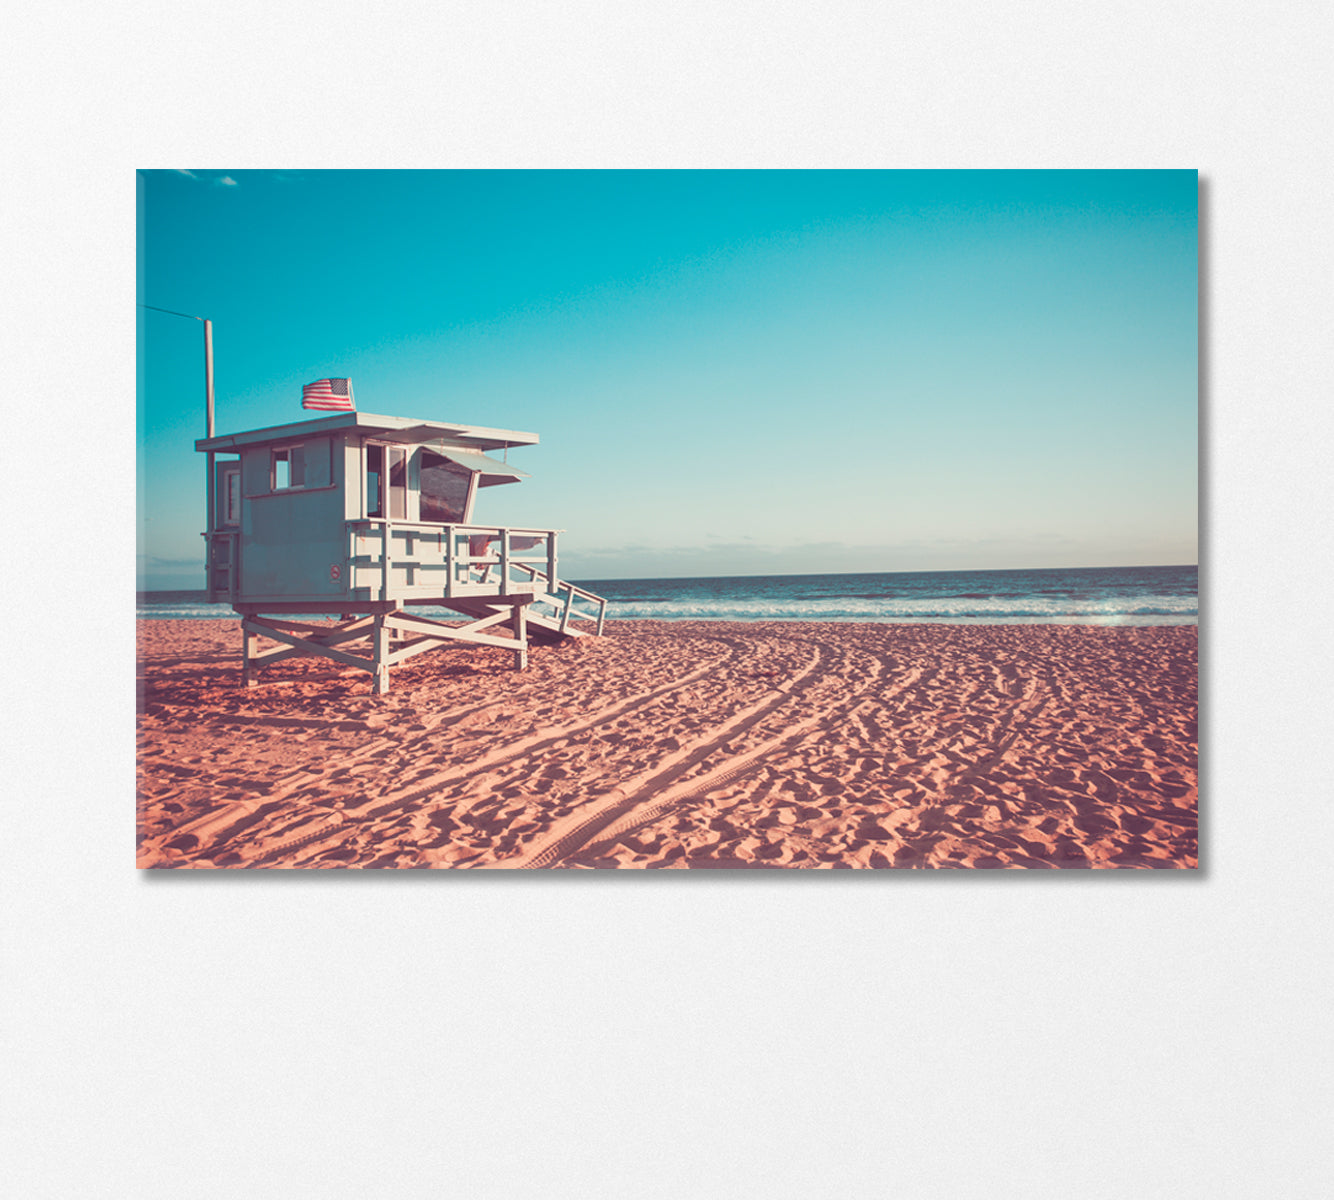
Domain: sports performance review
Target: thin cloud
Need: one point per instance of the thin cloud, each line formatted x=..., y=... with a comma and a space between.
x=218, y=180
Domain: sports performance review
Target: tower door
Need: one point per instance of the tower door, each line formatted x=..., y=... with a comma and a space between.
x=223, y=550
x=386, y=480
x=227, y=495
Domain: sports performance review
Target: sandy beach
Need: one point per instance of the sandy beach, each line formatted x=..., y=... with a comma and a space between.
x=680, y=745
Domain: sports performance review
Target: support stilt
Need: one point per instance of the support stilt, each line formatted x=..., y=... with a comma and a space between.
x=521, y=636
x=249, y=646
x=380, y=637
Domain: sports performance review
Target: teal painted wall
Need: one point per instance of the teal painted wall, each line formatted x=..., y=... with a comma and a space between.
x=291, y=540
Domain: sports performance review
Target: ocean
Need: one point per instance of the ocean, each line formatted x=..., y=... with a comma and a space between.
x=1067, y=596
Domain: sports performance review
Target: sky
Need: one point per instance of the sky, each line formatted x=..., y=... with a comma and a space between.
x=731, y=373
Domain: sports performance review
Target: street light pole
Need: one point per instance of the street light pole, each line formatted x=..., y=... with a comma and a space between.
x=210, y=498
x=208, y=371
x=208, y=432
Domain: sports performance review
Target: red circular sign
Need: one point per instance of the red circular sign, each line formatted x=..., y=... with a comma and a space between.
x=335, y=572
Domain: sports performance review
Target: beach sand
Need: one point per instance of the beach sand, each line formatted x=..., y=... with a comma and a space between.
x=680, y=745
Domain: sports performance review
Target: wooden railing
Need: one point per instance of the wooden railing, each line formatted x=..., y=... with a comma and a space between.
x=392, y=559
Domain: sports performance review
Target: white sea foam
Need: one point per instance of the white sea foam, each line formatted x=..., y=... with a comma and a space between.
x=186, y=611
x=1139, y=610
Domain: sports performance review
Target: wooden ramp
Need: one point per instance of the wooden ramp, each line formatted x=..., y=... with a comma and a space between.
x=553, y=615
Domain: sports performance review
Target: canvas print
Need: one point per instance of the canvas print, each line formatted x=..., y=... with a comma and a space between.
x=585, y=520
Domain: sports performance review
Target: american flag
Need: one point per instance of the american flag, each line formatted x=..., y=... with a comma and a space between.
x=329, y=395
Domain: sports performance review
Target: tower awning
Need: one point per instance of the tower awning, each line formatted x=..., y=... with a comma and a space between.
x=493, y=471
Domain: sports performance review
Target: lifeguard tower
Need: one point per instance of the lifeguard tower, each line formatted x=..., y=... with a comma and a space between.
x=363, y=517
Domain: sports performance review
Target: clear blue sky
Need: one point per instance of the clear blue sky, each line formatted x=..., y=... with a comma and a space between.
x=731, y=372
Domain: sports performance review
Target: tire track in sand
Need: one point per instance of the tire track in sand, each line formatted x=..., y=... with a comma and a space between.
x=699, y=790
x=1029, y=700
x=623, y=809
x=239, y=817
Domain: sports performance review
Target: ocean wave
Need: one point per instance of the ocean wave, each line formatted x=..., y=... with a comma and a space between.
x=789, y=610
x=1123, y=609
x=1077, y=597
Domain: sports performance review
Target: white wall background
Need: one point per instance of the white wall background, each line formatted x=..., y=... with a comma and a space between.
x=217, y=1035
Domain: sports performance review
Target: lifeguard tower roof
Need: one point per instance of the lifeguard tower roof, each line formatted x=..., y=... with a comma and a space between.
x=409, y=430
